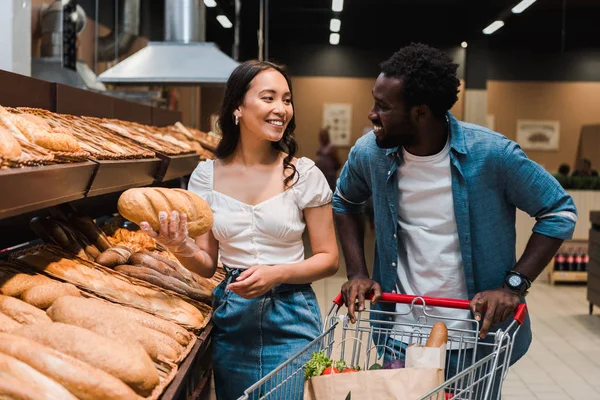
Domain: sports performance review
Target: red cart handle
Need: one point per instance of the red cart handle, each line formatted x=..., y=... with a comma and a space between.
x=520, y=312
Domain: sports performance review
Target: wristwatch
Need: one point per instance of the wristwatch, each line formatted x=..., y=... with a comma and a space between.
x=517, y=282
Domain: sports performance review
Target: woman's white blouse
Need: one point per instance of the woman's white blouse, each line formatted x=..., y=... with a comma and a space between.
x=270, y=232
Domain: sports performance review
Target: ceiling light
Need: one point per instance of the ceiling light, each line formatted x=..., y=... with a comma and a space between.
x=334, y=38
x=210, y=3
x=225, y=22
x=334, y=25
x=464, y=45
x=519, y=8
x=337, y=5
x=493, y=27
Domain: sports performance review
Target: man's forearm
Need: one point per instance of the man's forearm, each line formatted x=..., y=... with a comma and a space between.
x=351, y=231
x=538, y=253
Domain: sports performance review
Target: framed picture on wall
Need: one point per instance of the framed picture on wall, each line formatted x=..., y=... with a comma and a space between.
x=338, y=118
x=538, y=134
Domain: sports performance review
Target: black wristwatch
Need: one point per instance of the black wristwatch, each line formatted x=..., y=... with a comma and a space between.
x=517, y=282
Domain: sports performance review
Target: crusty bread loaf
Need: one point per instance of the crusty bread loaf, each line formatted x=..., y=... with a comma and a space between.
x=38, y=131
x=9, y=146
x=42, y=296
x=114, y=256
x=438, y=335
x=12, y=388
x=128, y=362
x=103, y=321
x=22, y=312
x=78, y=377
x=32, y=378
x=7, y=324
x=144, y=204
x=16, y=284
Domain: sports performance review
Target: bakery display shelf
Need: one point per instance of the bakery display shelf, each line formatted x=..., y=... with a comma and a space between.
x=118, y=175
x=193, y=377
x=176, y=166
x=33, y=188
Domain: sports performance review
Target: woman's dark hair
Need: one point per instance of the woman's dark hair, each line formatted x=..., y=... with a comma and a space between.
x=235, y=91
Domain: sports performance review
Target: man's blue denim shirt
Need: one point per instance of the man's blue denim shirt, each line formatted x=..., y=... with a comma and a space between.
x=491, y=177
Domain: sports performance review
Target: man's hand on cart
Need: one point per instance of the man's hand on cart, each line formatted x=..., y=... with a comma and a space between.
x=497, y=305
x=357, y=289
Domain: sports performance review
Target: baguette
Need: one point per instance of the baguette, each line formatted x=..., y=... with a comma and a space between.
x=438, y=335
x=42, y=296
x=142, y=258
x=7, y=324
x=101, y=320
x=12, y=388
x=22, y=312
x=172, y=330
x=164, y=281
x=190, y=278
x=114, y=256
x=128, y=362
x=33, y=379
x=16, y=284
x=38, y=131
x=116, y=288
x=144, y=204
x=9, y=146
x=92, y=232
x=81, y=379
x=52, y=232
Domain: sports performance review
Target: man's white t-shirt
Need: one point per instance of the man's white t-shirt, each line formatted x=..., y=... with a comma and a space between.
x=429, y=258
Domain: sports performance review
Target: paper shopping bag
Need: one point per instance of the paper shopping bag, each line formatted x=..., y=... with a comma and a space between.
x=426, y=357
x=383, y=384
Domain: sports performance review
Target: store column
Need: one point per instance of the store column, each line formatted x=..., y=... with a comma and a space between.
x=15, y=36
x=476, y=73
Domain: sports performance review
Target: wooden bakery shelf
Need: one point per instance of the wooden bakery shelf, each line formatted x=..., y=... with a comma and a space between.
x=176, y=166
x=33, y=188
x=192, y=381
x=118, y=175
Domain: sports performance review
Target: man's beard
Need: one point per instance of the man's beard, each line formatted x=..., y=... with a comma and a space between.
x=388, y=142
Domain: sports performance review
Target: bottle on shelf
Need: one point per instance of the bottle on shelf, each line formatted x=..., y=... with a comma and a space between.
x=559, y=261
x=578, y=266
x=570, y=260
x=586, y=259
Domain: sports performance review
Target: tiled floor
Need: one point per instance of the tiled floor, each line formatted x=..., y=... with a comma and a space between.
x=564, y=359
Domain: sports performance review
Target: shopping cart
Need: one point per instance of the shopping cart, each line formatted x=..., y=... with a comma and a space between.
x=478, y=366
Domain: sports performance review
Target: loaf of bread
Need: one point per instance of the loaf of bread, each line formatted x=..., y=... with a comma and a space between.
x=22, y=312
x=114, y=256
x=12, y=388
x=30, y=377
x=7, y=324
x=38, y=131
x=42, y=296
x=9, y=146
x=112, y=287
x=103, y=321
x=145, y=259
x=92, y=232
x=81, y=379
x=15, y=284
x=438, y=335
x=144, y=204
x=128, y=362
x=52, y=232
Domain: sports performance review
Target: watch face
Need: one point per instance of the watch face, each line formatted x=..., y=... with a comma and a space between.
x=515, y=280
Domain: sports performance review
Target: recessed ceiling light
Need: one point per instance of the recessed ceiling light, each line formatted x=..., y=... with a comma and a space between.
x=493, y=27
x=334, y=38
x=210, y=3
x=335, y=25
x=519, y=8
x=225, y=22
x=337, y=5
x=464, y=45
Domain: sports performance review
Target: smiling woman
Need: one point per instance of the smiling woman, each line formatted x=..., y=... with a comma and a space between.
x=262, y=200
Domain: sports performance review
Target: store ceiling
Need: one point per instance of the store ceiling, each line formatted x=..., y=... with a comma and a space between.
x=389, y=24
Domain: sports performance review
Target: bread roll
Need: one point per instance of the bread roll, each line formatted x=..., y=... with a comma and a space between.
x=114, y=256
x=33, y=379
x=9, y=146
x=22, y=312
x=438, y=335
x=18, y=283
x=42, y=296
x=128, y=362
x=103, y=321
x=7, y=324
x=78, y=377
x=144, y=204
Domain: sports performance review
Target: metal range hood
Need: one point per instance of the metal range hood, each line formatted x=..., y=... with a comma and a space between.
x=183, y=58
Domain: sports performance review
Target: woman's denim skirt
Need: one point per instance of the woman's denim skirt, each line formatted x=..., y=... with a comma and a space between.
x=252, y=337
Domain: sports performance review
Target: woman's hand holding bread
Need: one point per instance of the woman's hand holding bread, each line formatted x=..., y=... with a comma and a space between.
x=173, y=234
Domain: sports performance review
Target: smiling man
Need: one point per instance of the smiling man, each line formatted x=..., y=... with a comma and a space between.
x=445, y=194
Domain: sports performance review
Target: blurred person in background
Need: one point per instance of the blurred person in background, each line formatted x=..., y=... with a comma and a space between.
x=327, y=159
x=586, y=169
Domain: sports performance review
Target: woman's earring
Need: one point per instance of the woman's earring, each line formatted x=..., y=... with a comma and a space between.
x=236, y=119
